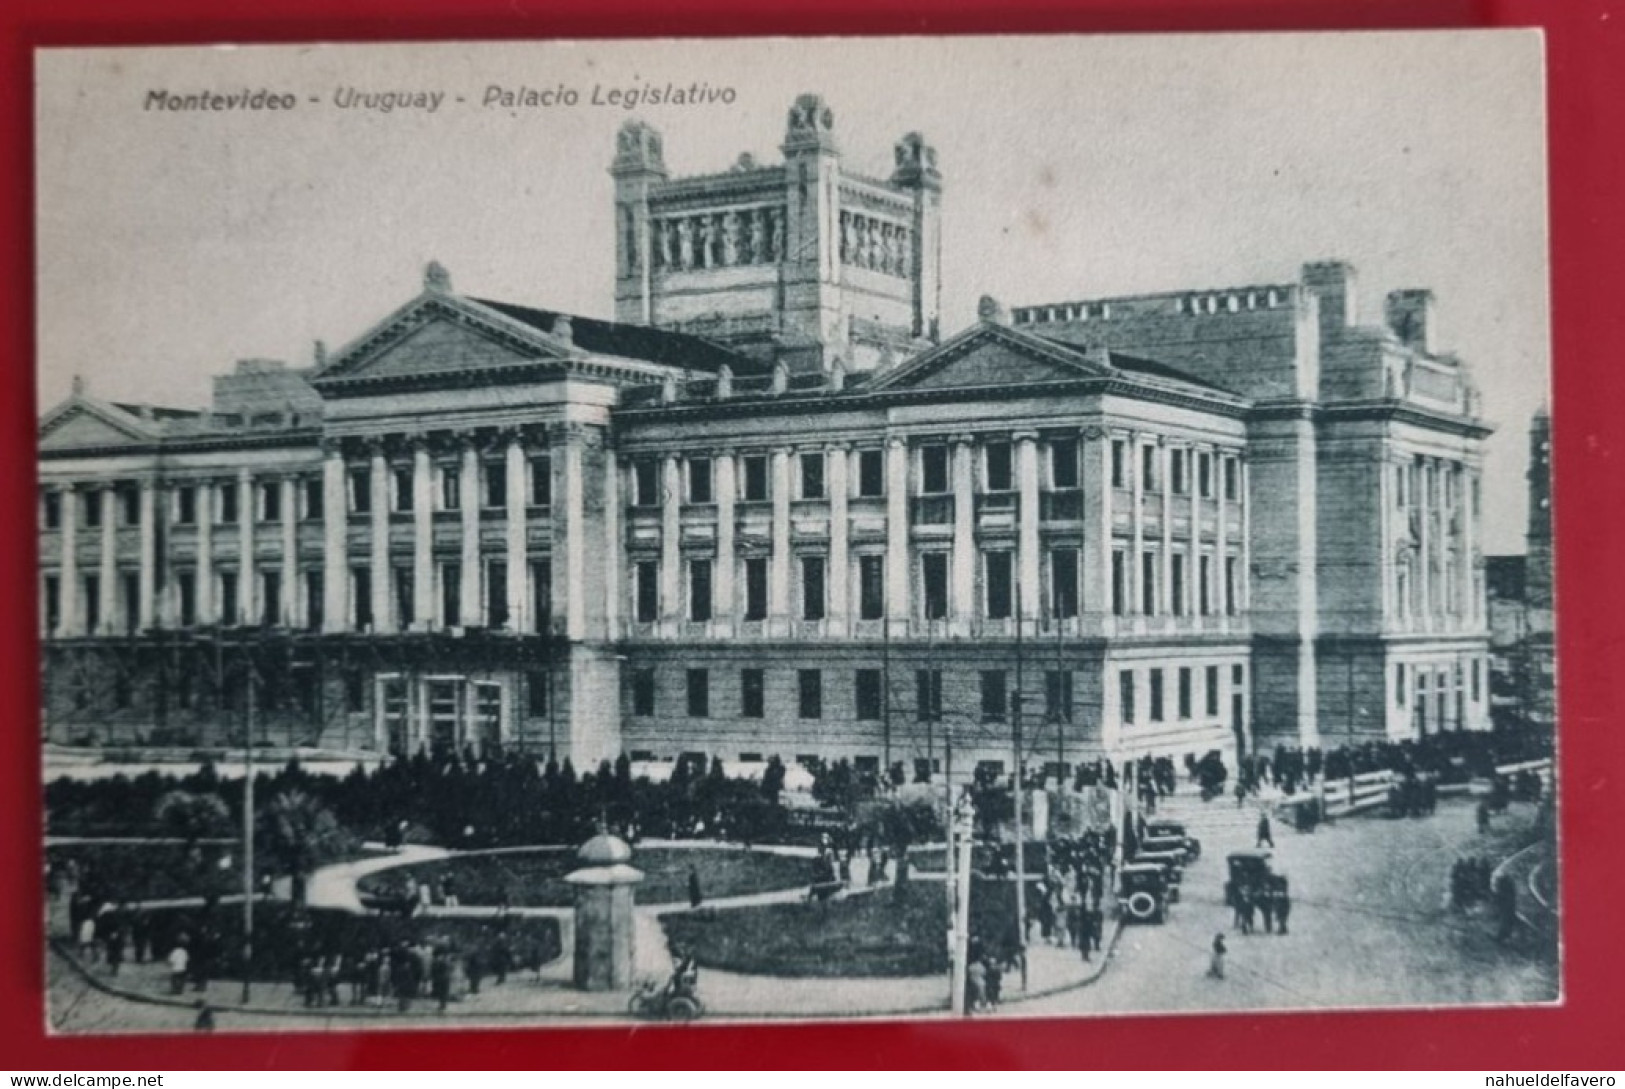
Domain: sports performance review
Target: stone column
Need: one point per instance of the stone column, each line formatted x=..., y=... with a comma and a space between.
x=778, y=568
x=1096, y=478
x=1385, y=546
x=671, y=545
x=1472, y=601
x=1029, y=586
x=897, y=535
x=575, y=539
x=473, y=606
x=67, y=621
x=840, y=574
x=149, y=555
x=203, y=592
x=518, y=545
x=1424, y=579
x=962, y=560
x=614, y=545
x=722, y=578
x=107, y=593
x=1133, y=571
x=423, y=603
x=1165, y=592
x=335, y=542
x=383, y=596
x=292, y=607
x=1193, y=560
x=1221, y=543
x=1244, y=579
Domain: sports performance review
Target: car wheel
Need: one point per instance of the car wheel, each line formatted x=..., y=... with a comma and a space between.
x=1142, y=905
x=683, y=1009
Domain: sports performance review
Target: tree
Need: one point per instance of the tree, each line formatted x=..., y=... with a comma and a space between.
x=192, y=816
x=297, y=833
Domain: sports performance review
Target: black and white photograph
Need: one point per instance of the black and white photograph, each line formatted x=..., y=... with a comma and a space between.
x=688, y=531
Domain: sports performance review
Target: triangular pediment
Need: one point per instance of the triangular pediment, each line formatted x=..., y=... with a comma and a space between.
x=439, y=335
x=78, y=424
x=993, y=355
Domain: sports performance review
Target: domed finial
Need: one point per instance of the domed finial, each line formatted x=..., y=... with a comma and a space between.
x=436, y=278
x=989, y=310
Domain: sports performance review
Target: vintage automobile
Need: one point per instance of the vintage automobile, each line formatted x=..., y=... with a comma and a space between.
x=1142, y=892
x=1166, y=827
x=1165, y=845
x=1249, y=870
x=1172, y=863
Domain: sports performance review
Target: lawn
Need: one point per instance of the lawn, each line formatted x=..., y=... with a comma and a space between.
x=534, y=878
x=135, y=872
x=870, y=934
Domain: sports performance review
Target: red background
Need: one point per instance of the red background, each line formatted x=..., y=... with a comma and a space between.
x=1586, y=87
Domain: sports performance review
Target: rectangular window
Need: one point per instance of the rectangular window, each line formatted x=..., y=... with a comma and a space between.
x=130, y=587
x=361, y=597
x=752, y=689
x=754, y=479
x=270, y=597
x=130, y=505
x=93, y=603
x=53, y=510
x=1058, y=695
x=185, y=506
x=1063, y=463
x=646, y=588
x=871, y=474
x=699, y=693
x=1063, y=577
x=1119, y=463
x=1000, y=472
x=1204, y=475
x=996, y=569
x=1204, y=585
x=643, y=692
x=646, y=482
x=495, y=475
x=541, y=593
x=1148, y=583
x=52, y=602
x=810, y=689
x=313, y=499
x=1230, y=585
x=403, y=500
x=812, y=476
x=1477, y=678
x=1178, y=580
x=1212, y=686
x=812, y=587
x=541, y=481
x=93, y=509
x=1238, y=675
x=1125, y=695
x=1148, y=468
x=933, y=470
x=228, y=597
x=451, y=594
x=186, y=593
x=1231, y=475
x=1119, y=582
x=871, y=587
x=1184, y=692
x=994, y=701
x=928, y=694
x=227, y=512
x=699, y=590
x=1178, y=464
x=405, y=592
x=756, y=588
x=271, y=501
x=1156, y=695
x=934, y=582
x=496, y=595
x=1399, y=684
x=536, y=693
x=699, y=481
x=315, y=599
x=360, y=491
x=355, y=691
x=868, y=696
x=451, y=487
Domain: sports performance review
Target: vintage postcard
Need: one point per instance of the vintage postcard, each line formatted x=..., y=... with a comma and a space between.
x=584, y=532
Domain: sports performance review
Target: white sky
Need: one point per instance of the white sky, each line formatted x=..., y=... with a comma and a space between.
x=171, y=244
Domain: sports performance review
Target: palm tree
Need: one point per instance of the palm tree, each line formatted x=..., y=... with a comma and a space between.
x=190, y=816
x=297, y=833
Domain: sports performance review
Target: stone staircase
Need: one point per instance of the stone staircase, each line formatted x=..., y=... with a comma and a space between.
x=1202, y=818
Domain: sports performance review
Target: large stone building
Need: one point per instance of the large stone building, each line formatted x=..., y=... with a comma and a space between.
x=772, y=510
x=1522, y=619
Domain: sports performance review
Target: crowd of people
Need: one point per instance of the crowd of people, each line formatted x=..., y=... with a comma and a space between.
x=1068, y=908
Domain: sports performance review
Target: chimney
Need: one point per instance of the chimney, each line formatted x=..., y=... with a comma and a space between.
x=1334, y=285
x=1409, y=313
x=989, y=310
x=436, y=278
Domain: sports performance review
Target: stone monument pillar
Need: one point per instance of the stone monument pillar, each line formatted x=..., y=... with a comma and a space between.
x=603, y=924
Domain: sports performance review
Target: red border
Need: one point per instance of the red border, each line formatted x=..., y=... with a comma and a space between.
x=1586, y=80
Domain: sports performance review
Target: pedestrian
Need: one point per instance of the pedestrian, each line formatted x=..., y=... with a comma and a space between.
x=1266, y=908
x=205, y=1017
x=440, y=979
x=115, y=948
x=178, y=960
x=1097, y=925
x=1215, y=965
x=87, y=936
x=1249, y=910
x=140, y=935
x=1086, y=938
x=994, y=982
x=1264, y=836
x=1483, y=815
x=474, y=968
x=448, y=891
x=1506, y=908
x=1283, y=905
x=975, y=987
x=501, y=958
x=695, y=897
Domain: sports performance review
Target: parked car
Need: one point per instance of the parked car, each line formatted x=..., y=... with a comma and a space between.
x=1249, y=870
x=1165, y=827
x=1142, y=892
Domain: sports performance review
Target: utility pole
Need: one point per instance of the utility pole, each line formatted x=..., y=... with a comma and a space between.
x=1016, y=792
x=248, y=825
x=959, y=886
x=885, y=692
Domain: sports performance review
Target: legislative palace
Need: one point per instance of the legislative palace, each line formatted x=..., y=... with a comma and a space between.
x=775, y=508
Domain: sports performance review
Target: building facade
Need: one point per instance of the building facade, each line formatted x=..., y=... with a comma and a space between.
x=772, y=510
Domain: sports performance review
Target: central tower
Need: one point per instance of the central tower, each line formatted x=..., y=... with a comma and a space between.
x=804, y=262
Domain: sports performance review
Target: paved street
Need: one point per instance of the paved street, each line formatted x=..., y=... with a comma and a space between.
x=1370, y=926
